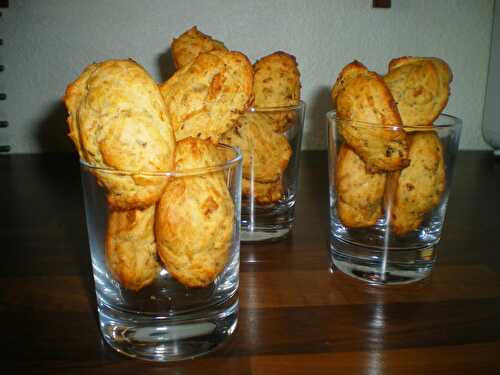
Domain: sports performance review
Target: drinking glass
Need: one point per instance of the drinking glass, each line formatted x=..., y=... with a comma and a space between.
x=145, y=310
x=271, y=157
x=385, y=225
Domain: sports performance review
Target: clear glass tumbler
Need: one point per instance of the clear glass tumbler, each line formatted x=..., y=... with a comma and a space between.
x=385, y=225
x=150, y=304
x=270, y=142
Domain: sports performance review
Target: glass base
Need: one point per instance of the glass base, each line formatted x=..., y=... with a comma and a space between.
x=376, y=266
x=168, y=338
x=265, y=233
x=267, y=223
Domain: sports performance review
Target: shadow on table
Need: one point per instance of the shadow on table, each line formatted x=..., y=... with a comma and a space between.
x=54, y=179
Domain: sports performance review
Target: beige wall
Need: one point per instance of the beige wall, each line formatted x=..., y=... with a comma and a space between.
x=47, y=43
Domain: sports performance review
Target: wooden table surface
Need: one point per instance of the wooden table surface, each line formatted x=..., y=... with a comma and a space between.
x=295, y=317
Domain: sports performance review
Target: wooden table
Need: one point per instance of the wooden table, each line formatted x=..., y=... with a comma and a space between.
x=296, y=317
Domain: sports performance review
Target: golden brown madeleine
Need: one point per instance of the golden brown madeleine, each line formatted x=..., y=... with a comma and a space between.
x=367, y=106
x=117, y=120
x=421, y=184
x=131, y=249
x=420, y=86
x=195, y=216
x=349, y=71
x=359, y=193
x=205, y=98
x=265, y=153
x=277, y=84
x=263, y=192
x=190, y=44
x=276, y=81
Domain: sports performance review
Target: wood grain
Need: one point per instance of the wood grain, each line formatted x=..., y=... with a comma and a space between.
x=296, y=317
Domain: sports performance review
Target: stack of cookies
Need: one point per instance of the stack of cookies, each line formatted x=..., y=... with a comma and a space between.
x=258, y=134
x=391, y=158
x=130, y=130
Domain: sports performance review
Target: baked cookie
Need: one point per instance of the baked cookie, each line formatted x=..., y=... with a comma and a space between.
x=117, y=120
x=264, y=193
x=276, y=81
x=205, y=98
x=366, y=111
x=359, y=193
x=420, y=86
x=190, y=44
x=277, y=84
x=130, y=247
x=349, y=71
x=265, y=153
x=420, y=185
x=195, y=216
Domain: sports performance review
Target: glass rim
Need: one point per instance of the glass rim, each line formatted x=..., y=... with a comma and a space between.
x=300, y=105
x=181, y=173
x=450, y=122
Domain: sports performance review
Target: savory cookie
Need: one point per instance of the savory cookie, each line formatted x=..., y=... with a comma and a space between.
x=190, y=44
x=276, y=81
x=420, y=185
x=349, y=71
x=420, y=86
x=195, y=216
x=205, y=98
x=359, y=193
x=265, y=153
x=117, y=120
x=365, y=106
x=131, y=249
x=277, y=84
x=264, y=193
